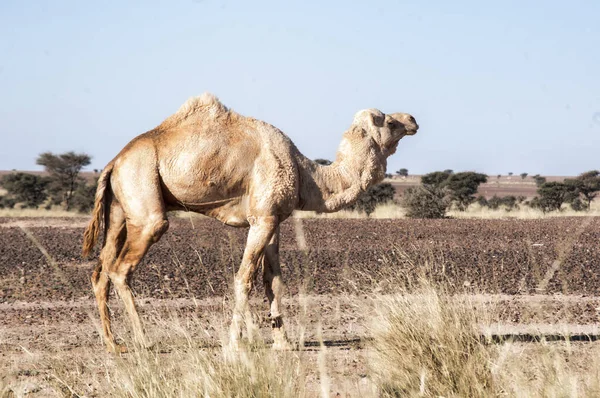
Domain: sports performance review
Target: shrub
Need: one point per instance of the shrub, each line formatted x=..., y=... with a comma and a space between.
x=552, y=195
x=7, y=202
x=25, y=188
x=586, y=185
x=374, y=196
x=539, y=180
x=425, y=202
x=83, y=197
x=463, y=186
x=482, y=201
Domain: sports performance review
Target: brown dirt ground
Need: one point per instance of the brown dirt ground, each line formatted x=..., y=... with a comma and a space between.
x=540, y=276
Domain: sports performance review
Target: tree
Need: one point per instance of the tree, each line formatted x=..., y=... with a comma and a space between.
x=586, y=185
x=552, y=195
x=463, y=186
x=25, y=188
x=459, y=187
x=373, y=197
x=402, y=172
x=323, y=162
x=437, y=179
x=509, y=202
x=539, y=180
x=510, y=173
x=64, y=174
x=523, y=176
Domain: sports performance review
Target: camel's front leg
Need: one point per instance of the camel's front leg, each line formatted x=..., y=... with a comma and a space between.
x=274, y=288
x=261, y=231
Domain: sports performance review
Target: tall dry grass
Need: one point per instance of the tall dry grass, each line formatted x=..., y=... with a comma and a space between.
x=430, y=344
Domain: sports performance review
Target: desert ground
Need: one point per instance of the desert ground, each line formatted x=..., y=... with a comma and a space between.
x=537, y=280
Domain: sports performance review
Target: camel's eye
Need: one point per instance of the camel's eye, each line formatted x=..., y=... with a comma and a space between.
x=393, y=124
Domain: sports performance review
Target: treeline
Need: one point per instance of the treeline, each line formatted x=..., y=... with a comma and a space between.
x=441, y=191
x=61, y=187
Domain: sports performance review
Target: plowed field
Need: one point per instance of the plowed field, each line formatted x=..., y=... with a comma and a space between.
x=538, y=274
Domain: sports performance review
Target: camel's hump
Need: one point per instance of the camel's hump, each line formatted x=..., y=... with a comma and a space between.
x=206, y=103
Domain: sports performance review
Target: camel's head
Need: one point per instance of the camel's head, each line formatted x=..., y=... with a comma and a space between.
x=386, y=130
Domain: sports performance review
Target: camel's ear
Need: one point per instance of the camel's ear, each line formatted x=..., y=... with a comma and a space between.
x=377, y=118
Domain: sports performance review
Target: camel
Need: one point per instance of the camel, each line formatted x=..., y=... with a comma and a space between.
x=208, y=159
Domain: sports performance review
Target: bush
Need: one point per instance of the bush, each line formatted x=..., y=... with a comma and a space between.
x=373, y=197
x=552, y=195
x=539, y=180
x=83, y=197
x=463, y=186
x=7, y=202
x=28, y=189
x=509, y=202
x=425, y=202
x=587, y=186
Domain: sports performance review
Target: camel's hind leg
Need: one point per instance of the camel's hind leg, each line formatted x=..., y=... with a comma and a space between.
x=115, y=237
x=274, y=288
x=137, y=187
x=139, y=239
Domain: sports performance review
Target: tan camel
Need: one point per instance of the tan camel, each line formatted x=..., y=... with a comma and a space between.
x=244, y=172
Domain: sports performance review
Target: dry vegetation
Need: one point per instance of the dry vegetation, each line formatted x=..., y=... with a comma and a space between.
x=412, y=336
x=419, y=343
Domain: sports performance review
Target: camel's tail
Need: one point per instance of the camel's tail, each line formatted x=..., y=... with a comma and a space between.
x=90, y=236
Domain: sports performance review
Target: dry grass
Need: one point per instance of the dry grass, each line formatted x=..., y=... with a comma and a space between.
x=394, y=211
x=429, y=344
x=524, y=212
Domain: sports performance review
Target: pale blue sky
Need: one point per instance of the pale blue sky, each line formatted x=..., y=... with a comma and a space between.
x=511, y=86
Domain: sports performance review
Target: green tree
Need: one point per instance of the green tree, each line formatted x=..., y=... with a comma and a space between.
x=463, y=186
x=437, y=179
x=374, y=196
x=83, y=197
x=459, y=187
x=552, y=195
x=586, y=185
x=29, y=189
x=64, y=172
x=539, y=180
x=524, y=176
x=402, y=172
x=323, y=162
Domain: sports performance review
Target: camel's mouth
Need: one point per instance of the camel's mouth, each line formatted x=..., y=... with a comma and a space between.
x=411, y=131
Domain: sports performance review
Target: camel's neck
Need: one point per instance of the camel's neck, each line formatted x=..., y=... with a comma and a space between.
x=358, y=165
